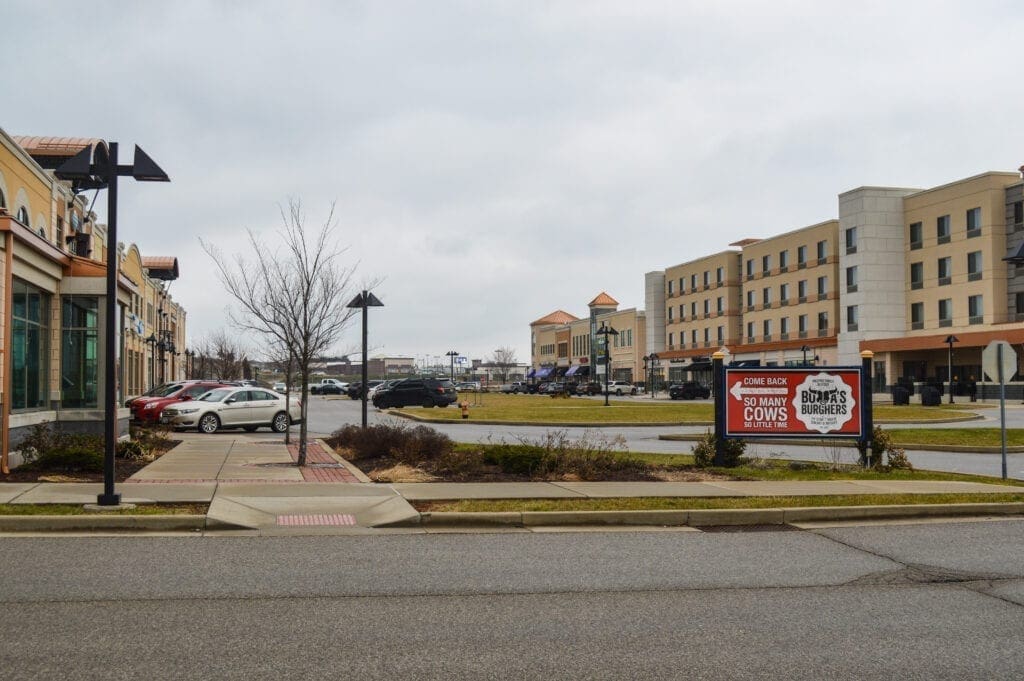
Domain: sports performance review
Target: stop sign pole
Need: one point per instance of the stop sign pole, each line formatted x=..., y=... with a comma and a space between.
x=997, y=360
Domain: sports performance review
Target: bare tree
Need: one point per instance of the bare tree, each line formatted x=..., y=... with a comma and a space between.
x=503, y=360
x=222, y=356
x=294, y=295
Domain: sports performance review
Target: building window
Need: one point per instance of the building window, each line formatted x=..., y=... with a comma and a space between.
x=79, y=355
x=945, y=270
x=750, y=332
x=767, y=327
x=822, y=252
x=946, y=312
x=721, y=334
x=784, y=294
x=682, y=288
x=1018, y=300
x=916, y=275
x=720, y=305
x=720, y=276
x=30, y=347
x=822, y=288
x=693, y=310
x=801, y=257
x=973, y=222
x=916, y=236
x=693, y=283
x=682, y=312
x=917, y=316
x=784, y=328
x=783, y=261
x=750, y=300
x=671, y=340
x=707, y=279
x=707, y=336
x=750, y=268
x=23, y=216
x=693, y=338
x=801, y=291
x=766, y=265
x=670, y=288
x=851, y=279
x=974, y=266
x=801, y=325
x=707, y=307
x=669, y=313
x=3, y=199
x=851, y=240
x=823, y=323
x=975, y=310
x=851, y=317
x=942, y=229
x=766, y=296
x=59, y=236
x=1018, y=215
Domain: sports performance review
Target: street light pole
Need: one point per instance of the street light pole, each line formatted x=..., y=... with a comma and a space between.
x=655, y=361
x=365, y=300
x=950, y=339
x=452, y=354
x=606, y=331
x=804, y=349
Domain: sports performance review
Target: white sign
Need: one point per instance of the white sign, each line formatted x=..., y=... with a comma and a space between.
x=824, y=402
x=990, y=360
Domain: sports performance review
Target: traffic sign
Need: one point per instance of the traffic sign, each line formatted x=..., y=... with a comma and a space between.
x=991, y=359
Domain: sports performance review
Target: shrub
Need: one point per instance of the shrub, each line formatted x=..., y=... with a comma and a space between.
x=704, y=451
x=516, y=459
x=882, y=441
x=131, y=450
x=154, y=438
x=412, y=446
x=73, y=452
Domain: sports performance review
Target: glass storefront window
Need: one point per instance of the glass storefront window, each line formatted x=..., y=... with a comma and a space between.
x=79, y=352
x=30, y=326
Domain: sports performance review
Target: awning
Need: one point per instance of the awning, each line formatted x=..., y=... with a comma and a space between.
x=584, y=371
x=544, y=372
x=699, y=366
x=532, y=373
x=744, y=363
x=572, y=370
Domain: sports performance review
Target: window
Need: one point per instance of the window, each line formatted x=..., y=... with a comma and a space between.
x=917, y=316
x=671, y=340
x=851, y=317
x=916, y=275
x=801, y=257
x=851, y=279
x=974, y=266
x=79, y=355
x=681, y=286
x=707, y=279
x=823, y=323
x=766, y=265
x=801, y=325
x=915, y=236
x=784, y=328
x=801, y=291
x=669, y=313
x=767, y=327
x=946, y=312
x=670, y=288
x=750, y=332
x=30, y=347
x=1018, y=214
x=822, y=288
x=766, y=296
x=945, y=270
x=784, y=294
x=707, y=307
x=682, y=312
x=693, y=310
x=975, y=310
x=720, y=305
x=973, y=222
x=23, y=216
x=693, y=283
x=3, y=199
x=822, y=252
x=720, y=275
x=783, y=261
x=693, y=338
x=750, y=300
x=1018, y=300
x=59, y=236
x=721, y=334
x=750, y=268
x=942, y=229
x=707, y=337
x=851, y=240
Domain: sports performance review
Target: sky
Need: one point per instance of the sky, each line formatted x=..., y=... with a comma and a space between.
x=491, y=162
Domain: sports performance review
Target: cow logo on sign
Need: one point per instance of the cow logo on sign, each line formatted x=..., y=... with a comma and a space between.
x=824, y=402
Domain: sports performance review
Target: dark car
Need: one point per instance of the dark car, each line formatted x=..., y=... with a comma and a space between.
x=355, y=391
x=689, y=390
x=423, y=392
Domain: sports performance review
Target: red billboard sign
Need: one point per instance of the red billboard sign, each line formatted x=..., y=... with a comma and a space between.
x=793, y=402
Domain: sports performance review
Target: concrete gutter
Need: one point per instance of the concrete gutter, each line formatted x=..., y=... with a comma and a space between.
x=709, y=517
x=100, y=523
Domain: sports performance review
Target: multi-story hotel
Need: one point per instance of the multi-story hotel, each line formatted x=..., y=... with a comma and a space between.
x=53, y=288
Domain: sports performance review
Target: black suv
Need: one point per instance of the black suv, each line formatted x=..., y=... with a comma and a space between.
x=425, y=392
x=690, y=390
x=355, y=390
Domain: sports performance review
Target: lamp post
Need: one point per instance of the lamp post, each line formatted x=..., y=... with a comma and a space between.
x=452, y=354
x=655, y=363
x=950, y=339
x=364, y=301
x=805, y=349
x=89, y=170
x=151, y=342
x=606, y=331
x=648, y=373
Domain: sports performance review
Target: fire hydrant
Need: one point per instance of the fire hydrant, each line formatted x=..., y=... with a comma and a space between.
x=465, y=409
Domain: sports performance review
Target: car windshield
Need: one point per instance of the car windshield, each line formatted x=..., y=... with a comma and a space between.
x=165, y=390
x=216, y=395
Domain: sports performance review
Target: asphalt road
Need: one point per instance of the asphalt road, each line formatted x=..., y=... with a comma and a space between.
x=326, y=415
x=935, y=601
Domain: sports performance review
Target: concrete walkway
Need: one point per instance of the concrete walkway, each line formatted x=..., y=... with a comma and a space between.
x=251, y=482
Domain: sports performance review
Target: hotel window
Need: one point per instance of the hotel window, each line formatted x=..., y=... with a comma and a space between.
x=916, y=275
x=671, y=340
x=946, y=312
x=750, y=300
x=707, y=336
x=766, y=296
x=784, y=294
x=822, y=252
x=721, y=334
x=707, y=307
x=720, y=275
x=851, y=317
x=783, y=261
x=707, y=279
x=822, y=288
x=1018, y=215
x=693, y=283
x=801, y=325
x=975, y=310
x=30, y=347
x=916, y=239
x=669, y=313
x=851, y=240
x=720, y=305
x=784, y=328
x=801, y=257
x=917, y=316
x=682, y=312
x=945, y=270
x=767, y=327
x=693, y=338
x=822, y=323
x=974, y=266
x=1018, y=300
x=670, y=288
x=801, y=291
x=693, y=310
x=682, y=288
x=851, y=279
x=750, y=268
x=942, y=229
x=79, y=355
x=973, y=222
x=750, y=332
x=766, y=265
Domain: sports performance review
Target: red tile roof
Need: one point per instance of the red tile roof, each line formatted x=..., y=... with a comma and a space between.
x=55, y=146
x=556, y=317
x=603, y=300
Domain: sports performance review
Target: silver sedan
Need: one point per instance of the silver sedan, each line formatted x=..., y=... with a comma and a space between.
x=245, y=407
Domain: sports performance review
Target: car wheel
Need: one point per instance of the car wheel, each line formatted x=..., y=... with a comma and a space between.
x=619, y=393
x=280, y=422
x=208, y=423
x=250, y=429
x=633, y=391
x=427, y=404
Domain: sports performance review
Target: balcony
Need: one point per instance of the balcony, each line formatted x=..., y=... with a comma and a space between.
x=916, y=326
x=802, y=299
x=943, y=239
x=971, y=233
x=945, y=322
x=822, y=260
x=915, y=285
x=784, y=336
x=802, y=334
x=974, y=276
x=852, y=288
x=916, y=245
x=976, y=319
x=945, y=281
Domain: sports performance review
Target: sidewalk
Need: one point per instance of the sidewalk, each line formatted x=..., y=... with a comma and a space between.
x=251, y=483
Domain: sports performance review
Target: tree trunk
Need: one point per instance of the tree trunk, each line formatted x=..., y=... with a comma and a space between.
x=304, y=410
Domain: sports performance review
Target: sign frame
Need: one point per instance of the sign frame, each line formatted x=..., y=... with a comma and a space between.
x=853, y=376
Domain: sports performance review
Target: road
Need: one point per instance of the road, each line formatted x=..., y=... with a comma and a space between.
x=326, y=415
x=932, y=601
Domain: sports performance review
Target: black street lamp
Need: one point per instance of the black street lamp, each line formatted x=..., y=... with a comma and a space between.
x=364, y=301
x=152, y=342
x=606, y=331
x=950, y=339
x=655, y=363
x=86, y=171
x=452, y=354
x=805, y=349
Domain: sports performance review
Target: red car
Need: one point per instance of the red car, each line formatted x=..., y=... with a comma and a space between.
x=147, y=409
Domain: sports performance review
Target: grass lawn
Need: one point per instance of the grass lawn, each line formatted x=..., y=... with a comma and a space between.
x=542, y=409
x=963, y=437
x=78, y=509
x=675, y=503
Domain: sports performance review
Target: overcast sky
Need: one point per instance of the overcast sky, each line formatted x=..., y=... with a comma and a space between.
x=493, y=162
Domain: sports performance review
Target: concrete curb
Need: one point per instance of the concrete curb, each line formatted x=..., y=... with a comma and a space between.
x=360, y=476
x=89, y=523
x=585, y=424
x=911, y=447
x=711, y=517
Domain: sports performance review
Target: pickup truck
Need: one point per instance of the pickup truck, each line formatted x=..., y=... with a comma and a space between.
x=328, y=386
x=514, y=388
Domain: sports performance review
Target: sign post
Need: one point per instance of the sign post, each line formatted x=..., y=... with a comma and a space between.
x=999, y=362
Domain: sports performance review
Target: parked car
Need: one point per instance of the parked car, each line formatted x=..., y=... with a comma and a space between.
x=515, y=388
x=381, y=386
x=355, y=390
x=468, y=386
x=425, y=392
x=619, y=388
x=233, y=407
x=148, y=410
x=280, y=387
x=328, y=386
x=689, y=390
x=155, y=391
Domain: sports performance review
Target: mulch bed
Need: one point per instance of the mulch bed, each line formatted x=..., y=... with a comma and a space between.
x=123, y=469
